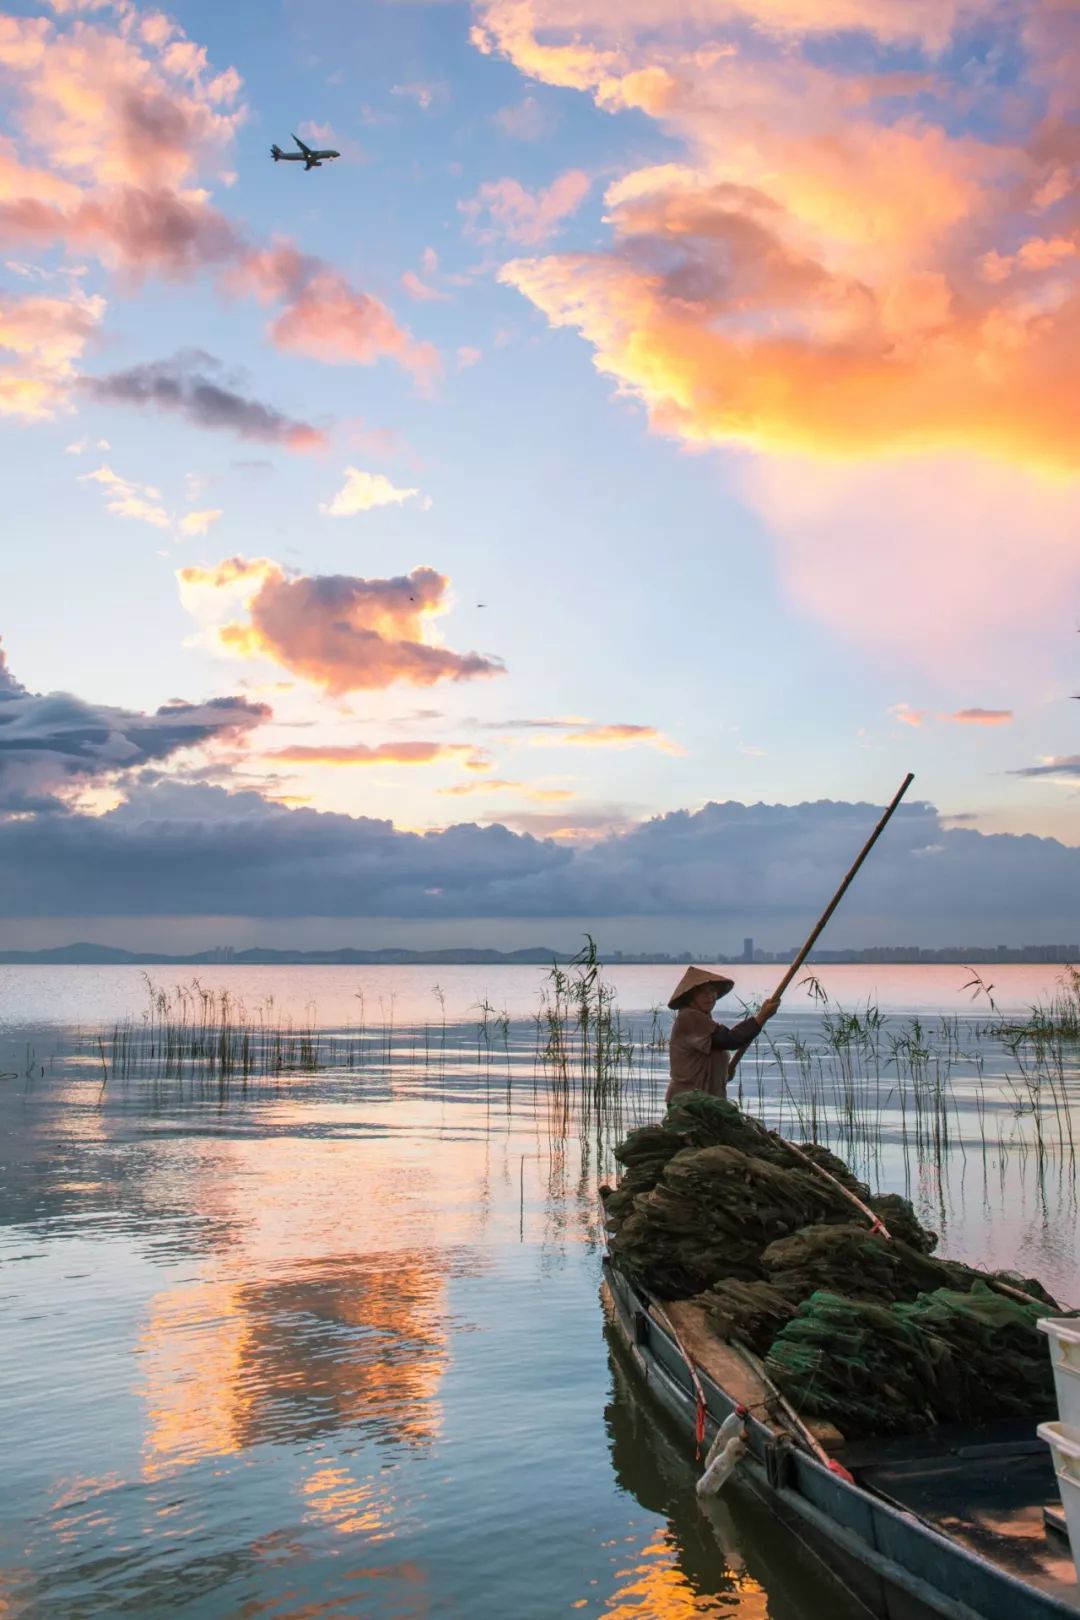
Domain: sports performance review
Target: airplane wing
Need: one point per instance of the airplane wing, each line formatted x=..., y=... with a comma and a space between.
x=305, y=149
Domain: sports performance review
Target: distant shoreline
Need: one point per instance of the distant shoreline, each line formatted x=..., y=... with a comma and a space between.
x=90, y=955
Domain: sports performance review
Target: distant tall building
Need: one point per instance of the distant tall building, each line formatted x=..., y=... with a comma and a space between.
x=748, y=950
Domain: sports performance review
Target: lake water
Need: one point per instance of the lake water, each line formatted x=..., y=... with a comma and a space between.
x=329, y=1343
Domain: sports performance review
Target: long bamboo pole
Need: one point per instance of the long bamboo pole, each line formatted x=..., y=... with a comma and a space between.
x=832, y=905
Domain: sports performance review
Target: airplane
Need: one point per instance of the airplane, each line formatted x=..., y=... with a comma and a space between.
x=310, y=159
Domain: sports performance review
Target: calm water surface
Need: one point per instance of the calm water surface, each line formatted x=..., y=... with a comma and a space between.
x=331, y=1346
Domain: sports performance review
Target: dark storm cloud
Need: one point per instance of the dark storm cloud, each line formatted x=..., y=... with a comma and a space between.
x=192, y=384
x=48, y=741
x=191, y=850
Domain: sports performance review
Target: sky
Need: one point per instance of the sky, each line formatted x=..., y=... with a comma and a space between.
x=578, y=504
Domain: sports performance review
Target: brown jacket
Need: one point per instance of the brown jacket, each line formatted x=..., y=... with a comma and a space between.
x=699, y=1048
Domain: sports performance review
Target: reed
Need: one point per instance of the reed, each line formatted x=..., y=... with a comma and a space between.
x=869, y=1084
x=196, y=1033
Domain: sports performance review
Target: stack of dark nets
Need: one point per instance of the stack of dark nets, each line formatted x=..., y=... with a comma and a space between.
x=704, y=1195
x=711, y=1214
x=854, y=1260
x=949, y=1356
x=878, y=1336
x=642, y=1156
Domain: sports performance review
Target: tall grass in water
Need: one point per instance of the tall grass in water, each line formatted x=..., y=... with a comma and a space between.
x=1055, y=1019
x=192, y=1032
x=590, y=1057
x=860, y=1081
x=863, y=1083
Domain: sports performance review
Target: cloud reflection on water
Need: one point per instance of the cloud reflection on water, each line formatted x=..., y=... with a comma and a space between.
x=357, y=1343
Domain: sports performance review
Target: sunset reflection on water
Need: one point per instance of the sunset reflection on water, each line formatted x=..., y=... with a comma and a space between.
x=331, y=1346
x=652, y=1584
x=357, y=1343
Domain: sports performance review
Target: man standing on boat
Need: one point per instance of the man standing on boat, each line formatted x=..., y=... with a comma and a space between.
x=700, y=1046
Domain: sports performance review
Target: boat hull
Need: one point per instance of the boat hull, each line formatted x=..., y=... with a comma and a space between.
x=895, y=1564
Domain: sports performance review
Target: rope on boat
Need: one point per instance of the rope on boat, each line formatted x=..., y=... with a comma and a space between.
x=729, y=1441
x=700, y=1407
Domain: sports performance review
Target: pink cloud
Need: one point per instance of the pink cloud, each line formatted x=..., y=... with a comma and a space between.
x=41, y=338
x=338, y=631
x=505, y=209
x=938, y=575
x=420, y=290
x=324, y=316
x=117, y=114
x=116, y=107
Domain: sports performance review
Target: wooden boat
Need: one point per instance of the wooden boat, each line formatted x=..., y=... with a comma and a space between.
x=958, y=1524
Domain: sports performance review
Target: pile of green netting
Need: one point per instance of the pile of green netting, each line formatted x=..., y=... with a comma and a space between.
x=949, y=1356
x=876, y=1334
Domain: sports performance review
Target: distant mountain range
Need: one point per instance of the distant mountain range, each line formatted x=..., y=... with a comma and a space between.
x=85, y=954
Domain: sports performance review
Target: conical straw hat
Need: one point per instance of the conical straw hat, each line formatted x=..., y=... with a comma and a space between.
x=695, y=976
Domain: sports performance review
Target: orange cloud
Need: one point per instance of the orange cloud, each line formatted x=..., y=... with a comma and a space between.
x=868, y=278
x=621, y=736
x=394, y=753
x=813, y=276
x=338, y=631
x=540, y=795
x=45, y=336
x=908, y=716
x=999, y=387
x=982, y=717
x=519, y=215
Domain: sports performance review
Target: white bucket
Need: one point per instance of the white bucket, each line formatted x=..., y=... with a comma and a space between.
x=1064, y=1335
x=1065, y=1448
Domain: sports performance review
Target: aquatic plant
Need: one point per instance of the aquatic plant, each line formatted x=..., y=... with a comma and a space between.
x=870, y=1084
